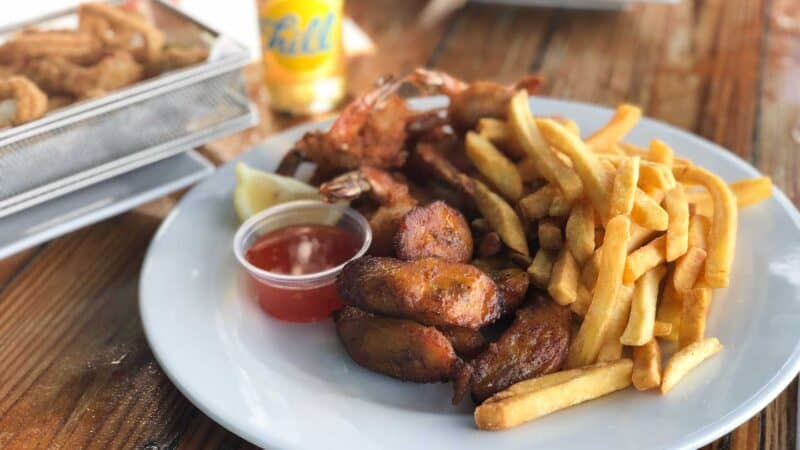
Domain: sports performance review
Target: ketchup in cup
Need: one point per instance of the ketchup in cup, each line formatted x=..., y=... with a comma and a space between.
x=295, y=251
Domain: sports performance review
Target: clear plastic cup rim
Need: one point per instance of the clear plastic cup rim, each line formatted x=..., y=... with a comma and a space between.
x=306, y=280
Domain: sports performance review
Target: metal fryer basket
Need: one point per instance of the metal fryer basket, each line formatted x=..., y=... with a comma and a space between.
x=151, y=120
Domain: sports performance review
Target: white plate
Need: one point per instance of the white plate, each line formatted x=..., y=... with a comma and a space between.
x=53, y=218
x=284, y=385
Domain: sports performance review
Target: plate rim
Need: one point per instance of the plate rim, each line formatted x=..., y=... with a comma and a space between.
x=716, y=429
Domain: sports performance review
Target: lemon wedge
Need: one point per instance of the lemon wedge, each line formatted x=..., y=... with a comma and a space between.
x=257, y=190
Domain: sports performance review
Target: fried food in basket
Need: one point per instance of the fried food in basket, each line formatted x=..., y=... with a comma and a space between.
x=111, y=48
x=30, y=103
x=472, y=203
x=60, y=76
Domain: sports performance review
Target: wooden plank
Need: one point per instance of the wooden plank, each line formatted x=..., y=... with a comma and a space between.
x=11, y=266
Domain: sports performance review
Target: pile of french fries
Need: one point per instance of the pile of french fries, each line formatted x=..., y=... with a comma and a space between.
x=633, y=240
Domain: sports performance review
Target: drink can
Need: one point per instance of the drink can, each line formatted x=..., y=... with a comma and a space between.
x=303, y=58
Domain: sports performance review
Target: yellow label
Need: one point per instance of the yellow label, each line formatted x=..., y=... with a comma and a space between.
x=301, y=37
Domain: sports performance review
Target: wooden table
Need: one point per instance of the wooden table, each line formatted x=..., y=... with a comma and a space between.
x=75, y=369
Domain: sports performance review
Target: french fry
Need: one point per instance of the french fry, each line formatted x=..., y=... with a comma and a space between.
x=527, y=170
x=669, y=310
x=590, y=270
x=643, y=308
x=536, y=384
x=632, y=150
x=597, y=182
x=590, y=336
x=646, y=366
x=644, y=259
x=648, y=213
x=542, y=267
x=660, y=152
x=590, y=383
x=569, y=124
x=693, y=315
x=560, y=207
x=748, y=192
x=499, y=170
x=623, y=121
x=548, y=164
x=580, y=232
x=661, y=329
x=699, y=227
x=582, y=301
x=563, y=286
x=688, y=268
x=493, y=129
x=501, y=217
x=686, y=359
x=624, y=190
x=611, y=350
x=639, y=235
x=722, y=236
x=537, y=205
x=678, y=229
x=550, y=237
x=655, y=175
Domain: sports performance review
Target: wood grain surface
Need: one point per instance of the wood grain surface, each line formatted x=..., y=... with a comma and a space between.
x=75, y=370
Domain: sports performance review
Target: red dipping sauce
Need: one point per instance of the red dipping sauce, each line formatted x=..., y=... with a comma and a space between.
x=301, y=250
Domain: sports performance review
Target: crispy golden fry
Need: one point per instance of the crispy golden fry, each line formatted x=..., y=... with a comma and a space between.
x=693, y=315
x=660, y=152
x=549, y=165
x=501, y=218
x=596, y=180
x=536, y=384
x=645, y=258
x=537, y=205
x=623, y=121
x=569, y=124
x=688, y=268
x=541, y=268
x=591, y=268
x=643, y=308
x=647, y=366
x=678, y=230
x=493, y=165
x=493, y=129
x=587, y=384
x=582, y=301
x=686, y=359
x=550, y=237
x=661, y=329
x=30, y=101
x=655, y=176
x=590, y=337
x=527, y=170
x=669, y=310
x=648, y=213
x=580, y=232
x=560, y=207
x=748, y=192
x=639, y=235
x=624, y=190
x=563, y=286
x=699, y=226
x=611, y=350
x=722, y=237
